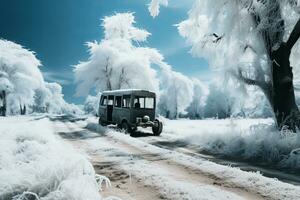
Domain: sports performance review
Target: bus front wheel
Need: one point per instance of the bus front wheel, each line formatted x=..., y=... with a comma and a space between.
x=157, y=128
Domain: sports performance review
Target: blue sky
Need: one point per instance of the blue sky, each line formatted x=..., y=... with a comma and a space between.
x=58, y=29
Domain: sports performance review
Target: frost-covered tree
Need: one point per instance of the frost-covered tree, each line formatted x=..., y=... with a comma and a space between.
x=219, y=102
x=176, y=93
x=118, y=61
x=251, y=40
x=196, y=108
x=155, y=5
x=19, y=77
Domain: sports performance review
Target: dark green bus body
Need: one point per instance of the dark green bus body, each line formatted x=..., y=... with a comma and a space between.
x=121, y=105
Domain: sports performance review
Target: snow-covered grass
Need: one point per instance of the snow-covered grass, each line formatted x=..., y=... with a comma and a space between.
x=35, y=162
x=249, y=139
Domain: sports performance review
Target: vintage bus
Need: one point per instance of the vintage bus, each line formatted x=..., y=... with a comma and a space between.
x=129, y=109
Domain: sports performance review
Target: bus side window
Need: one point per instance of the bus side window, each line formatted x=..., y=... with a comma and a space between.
x=110, y=101
x=126, y=101
x=103, y=101
x=118, y=101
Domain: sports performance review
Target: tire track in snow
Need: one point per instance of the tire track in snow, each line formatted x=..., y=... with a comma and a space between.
x=124, y=185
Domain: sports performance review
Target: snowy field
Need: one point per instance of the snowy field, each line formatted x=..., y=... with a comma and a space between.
x=36, y=164
x=59, y=157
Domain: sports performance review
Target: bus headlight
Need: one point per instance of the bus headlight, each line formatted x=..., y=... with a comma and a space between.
x=146, y=118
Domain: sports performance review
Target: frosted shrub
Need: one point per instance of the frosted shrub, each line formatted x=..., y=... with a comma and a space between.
x=34, y=164
x=260, y=143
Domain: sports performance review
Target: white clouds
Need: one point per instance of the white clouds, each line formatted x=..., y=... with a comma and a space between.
x=63, y=78
x=183, y=5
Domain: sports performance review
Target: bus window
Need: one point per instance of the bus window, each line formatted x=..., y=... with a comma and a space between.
x=126, y=101
x=149, y=103
x=118, y=101
x=104, y=101
x=139, y=102
x=110, y=101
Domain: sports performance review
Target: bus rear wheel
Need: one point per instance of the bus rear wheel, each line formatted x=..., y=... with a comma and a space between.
x=126, y=127
x=157, y=128
x=101, y=122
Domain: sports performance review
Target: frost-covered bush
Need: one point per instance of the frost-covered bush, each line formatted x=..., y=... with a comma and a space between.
x=49, y=99
x=256, y=141
x=33, y=162
x=91, y=104
x=260, y=142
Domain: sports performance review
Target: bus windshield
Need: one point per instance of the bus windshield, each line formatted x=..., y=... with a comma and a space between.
x=143, y=102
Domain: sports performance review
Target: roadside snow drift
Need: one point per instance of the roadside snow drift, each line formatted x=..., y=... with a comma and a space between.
x=256, y=140
x=35, y=164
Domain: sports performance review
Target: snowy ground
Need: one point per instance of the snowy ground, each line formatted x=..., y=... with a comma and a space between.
x=182, y=164
x=37, y=164
x=58, y=157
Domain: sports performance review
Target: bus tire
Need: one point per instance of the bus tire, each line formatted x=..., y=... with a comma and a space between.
x=126, y=127
x=158, y=128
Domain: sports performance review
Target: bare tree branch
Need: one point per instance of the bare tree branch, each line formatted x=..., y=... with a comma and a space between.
x=218, y=38
x=264, y=86
x=294, y=36
x=248, y=46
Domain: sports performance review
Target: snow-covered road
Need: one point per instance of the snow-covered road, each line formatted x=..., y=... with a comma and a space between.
x=146, y=167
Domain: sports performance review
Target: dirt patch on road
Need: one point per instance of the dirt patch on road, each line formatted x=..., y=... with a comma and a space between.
x=123, y=184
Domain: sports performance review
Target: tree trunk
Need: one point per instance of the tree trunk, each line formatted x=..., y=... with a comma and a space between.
x=3, y=107
x=283, y=97
x=284, y=102
x=23, y=109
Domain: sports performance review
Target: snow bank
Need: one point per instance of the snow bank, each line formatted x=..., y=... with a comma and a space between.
x=254, y=140
x=34, y=163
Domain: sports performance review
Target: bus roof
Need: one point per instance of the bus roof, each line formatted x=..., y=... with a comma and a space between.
x=129, y=91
